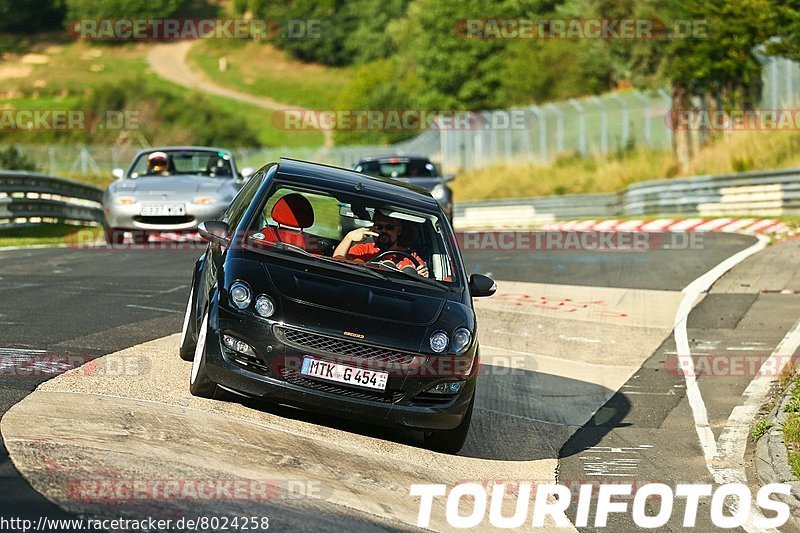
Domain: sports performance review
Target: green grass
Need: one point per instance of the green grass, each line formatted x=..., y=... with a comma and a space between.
x=794, y=463
x=71, y=70
x=613, y=172
x=262, y=70
x=791, y=427
x=760, y=429
x=47, y=234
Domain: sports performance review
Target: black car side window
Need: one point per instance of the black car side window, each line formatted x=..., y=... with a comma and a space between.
x=233, y=215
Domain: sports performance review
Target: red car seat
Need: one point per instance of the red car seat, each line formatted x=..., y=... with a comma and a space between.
x=293, y=213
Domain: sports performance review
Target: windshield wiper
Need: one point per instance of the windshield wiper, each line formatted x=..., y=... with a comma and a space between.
x=415, y=276
x=294, y=248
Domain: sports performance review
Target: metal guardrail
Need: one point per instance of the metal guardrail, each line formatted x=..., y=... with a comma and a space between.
x=27, y=198
x=764, y=193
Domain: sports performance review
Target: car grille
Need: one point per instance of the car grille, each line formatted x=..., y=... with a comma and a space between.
x=249, y=362
x=323, y=344
x=164, y=221
x=294, y=377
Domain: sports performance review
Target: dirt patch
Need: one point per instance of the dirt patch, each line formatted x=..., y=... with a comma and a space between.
x=34, y=59
x=8, y=72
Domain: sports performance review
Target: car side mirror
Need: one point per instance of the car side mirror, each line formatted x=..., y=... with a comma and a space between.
x=246, y=173
x=448, y=177
x=118, y=173
x=480, y=285
x=214, y=231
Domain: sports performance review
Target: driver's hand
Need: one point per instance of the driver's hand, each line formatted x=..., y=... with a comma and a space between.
x=360, y=234
x=422, y=270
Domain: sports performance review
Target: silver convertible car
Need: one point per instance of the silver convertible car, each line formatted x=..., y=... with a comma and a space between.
x=170, y=189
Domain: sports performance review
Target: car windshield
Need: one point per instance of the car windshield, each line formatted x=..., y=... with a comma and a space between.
x=398, y=168
x=179, y=162
x=355, y=232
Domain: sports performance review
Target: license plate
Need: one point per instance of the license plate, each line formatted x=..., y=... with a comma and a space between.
x=163, y=210
x=344, y=374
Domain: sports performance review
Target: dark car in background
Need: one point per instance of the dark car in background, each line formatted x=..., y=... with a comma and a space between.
x=416, y=170
x=274, y=313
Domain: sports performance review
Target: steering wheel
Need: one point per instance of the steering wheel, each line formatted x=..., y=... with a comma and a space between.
x=389, y=253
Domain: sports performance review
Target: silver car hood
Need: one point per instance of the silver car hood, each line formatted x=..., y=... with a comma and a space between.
x=182, y=184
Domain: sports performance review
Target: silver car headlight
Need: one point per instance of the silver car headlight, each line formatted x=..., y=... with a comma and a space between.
x=439, y=192
x=461, y=339
x=203, y=200
x=439, y=341
x=265, y=306
x=125, y=200
x=241, y=295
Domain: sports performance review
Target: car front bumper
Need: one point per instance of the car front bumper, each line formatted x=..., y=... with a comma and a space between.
x=128, y=217
x=403, y=409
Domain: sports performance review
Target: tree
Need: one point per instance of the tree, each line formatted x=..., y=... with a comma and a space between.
x=716, y=61
x=31, y=15
x=112, y=9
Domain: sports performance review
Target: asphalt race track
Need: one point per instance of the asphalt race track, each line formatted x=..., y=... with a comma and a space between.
x=580, y=384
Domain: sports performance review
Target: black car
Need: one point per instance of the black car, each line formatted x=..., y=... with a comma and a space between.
x=415, y=170
x=383, y=332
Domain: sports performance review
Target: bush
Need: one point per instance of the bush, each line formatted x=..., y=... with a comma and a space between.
x=111, y=9
x=382, y=85
x=13, y=159
x=355, y=31
x=31, y=15
x=166, y=115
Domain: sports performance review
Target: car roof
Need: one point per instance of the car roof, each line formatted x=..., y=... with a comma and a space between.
x=344, y=180
x=400, y=158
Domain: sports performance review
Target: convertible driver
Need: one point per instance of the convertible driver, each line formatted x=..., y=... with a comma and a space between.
x=386, y=230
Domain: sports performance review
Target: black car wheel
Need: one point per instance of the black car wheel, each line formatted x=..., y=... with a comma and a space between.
x=114, y=236
x=199, y=384
x=450, y=440
x=140, y=237
x=187, y=344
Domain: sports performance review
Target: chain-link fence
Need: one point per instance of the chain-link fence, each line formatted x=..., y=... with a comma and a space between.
x=781, y=83
x=534, y=134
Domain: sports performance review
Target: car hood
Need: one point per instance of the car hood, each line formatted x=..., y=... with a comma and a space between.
x=170, y=184
x=394, y=317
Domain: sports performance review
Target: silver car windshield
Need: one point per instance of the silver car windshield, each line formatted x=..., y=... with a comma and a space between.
x=398, y=242
x=181, y=162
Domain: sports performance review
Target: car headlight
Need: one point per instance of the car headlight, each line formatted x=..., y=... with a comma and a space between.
x=461, y=338
x=203, y=200
x=241, y=294
x=439, y=192
x=265, y=306
x=125, y=200
x=439, y=341
x=236, y=345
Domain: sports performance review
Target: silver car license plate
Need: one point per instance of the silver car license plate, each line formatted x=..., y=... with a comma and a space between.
x=163, y=210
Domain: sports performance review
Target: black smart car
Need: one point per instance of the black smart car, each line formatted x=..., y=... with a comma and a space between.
x=334, y=291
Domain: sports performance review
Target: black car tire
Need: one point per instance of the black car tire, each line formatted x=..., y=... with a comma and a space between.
x=187, y=342
x=450, y=440
x=199, y=384
x=114, y=236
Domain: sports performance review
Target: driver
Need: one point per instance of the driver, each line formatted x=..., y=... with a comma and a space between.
x=386, y=230
x=157, y=163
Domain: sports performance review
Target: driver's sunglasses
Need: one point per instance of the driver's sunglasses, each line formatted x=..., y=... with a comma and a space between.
x=381, y=227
